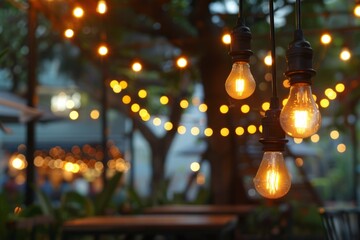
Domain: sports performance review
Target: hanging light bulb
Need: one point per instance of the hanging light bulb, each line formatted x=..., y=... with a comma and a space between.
x=357, y=9
x=272, y=179
x=300, y=117
x=240, y=83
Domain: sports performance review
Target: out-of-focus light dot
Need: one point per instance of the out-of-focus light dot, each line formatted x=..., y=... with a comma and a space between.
x=268, y=60
x=286, y=83
x=69, y=33
x=284, y=101
x=239, y=131
x=245, y=108
x=341, y=148
x=298, y=140
x=113, y=83
x=117, y=88
x=126, y=99
x=200, y=179
x=123, y=84
x=181, y=62
x=260, y=128
x=314, y=97
x=135, y=107
x=146, y=117
x=142, y=93
x=208, y=132
x=195, y=166
x=315, y=138
x=164, y=100
x=18, y=163
x=195, y=131
x=73, y=115
x=143, y=112
x=251, y=129
x=181, y=129
x=203, y=107
x=299, y=162
x=78, y=12
x=226, y=38
x=94, y=114
x=331, y=94
x=340, y=87
x=334, y=134
x=103, y=50
x=265, y=106
x=224, y=109
x=168, y=126
x=184, y=104
x=325, y=38
x=136, y=67
x=357, y=10
x=324, y=103
x=345, y=54
x=157, y=121
x=70, y=104
x=101, y=7
x=224, y=132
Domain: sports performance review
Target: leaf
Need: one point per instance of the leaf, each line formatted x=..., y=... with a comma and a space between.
x=45, y=203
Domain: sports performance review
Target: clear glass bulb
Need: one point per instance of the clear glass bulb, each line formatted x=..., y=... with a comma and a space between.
x=300, y=117
x=272, y=180
x=240, y=83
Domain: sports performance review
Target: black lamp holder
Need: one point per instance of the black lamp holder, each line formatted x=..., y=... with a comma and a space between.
x=240, y=47
x=273, y=139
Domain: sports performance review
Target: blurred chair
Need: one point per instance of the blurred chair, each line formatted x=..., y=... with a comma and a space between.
x=341, y=223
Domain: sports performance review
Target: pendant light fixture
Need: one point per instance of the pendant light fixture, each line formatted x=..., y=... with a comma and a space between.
x=300, y=117
x=272, y=179
x=240, y=83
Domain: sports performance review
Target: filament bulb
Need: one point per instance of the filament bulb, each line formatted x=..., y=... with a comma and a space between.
x=240, y=83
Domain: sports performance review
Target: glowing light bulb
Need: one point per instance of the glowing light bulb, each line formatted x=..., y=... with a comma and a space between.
x=357, y=10
x=272, y=180
x=300, y=117
x=240, y=83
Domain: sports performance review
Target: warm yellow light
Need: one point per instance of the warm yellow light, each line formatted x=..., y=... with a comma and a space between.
x=341, y=148
x=181, y=129
x=268, y=60
x=157, y=121
x=135, y=107
x=181, y=62
x=200, y=179
x=251, y=129
x=184, y=104
x=224, y=109
x=113, y=83
x=203, y=107
x=136, y=67
x=142, y=93
x=261, y=128
x=284, y=101
x=78, y=12
x=195, y=131
x=208, y=132
x=143, y=112
x=195, y=166
x=272, y=180
x=331, y=94
x=286, y=83
x=325, y=38
x=239, y=131
x=334, y=134
x=164, y=100
x=340, y=87
x=103, y=50
x=315, y=138
x=101, y=7
x=245, y=108
x=146, y=117
x=265, y=106
x=240, y=83
x=299, y=162
x=73, y=115
x=126, y=99
x=95, y=114
x=168, y=126
x=324, y=103
x=226, y=38
x=19, y=162
x=224, y=132
x=300, y=117
x=69, y=33
x=117, y=88
x=123, y=84
x=345, y=54
x=298, y=140
x=357, y=10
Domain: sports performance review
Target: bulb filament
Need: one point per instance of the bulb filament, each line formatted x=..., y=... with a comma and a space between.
x=239, y=86
x=301, y=121
x=272, y=181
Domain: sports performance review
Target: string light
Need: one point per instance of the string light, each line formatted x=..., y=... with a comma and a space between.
x=326, y=38
x=136, y=67
x=101, y=7
x=103, y=50
x=69, y=33
x=226, y=38
x=345, y=54
x=181, y=62
x=78, y=12
x=268, y=60
x=357, y=9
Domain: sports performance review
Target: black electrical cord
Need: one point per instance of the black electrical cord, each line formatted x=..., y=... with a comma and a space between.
x=298, y=15
x=274, y=100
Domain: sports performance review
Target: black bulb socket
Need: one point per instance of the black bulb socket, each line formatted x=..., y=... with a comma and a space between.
x=240, y=47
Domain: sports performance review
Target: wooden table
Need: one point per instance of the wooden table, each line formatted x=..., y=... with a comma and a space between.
x=177, y=225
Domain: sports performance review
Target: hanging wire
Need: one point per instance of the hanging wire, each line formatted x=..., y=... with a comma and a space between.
x=240, y=14
x=273, y=52
x=298, y=15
